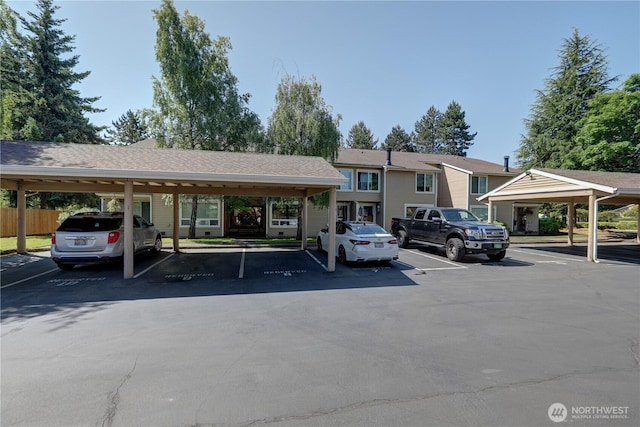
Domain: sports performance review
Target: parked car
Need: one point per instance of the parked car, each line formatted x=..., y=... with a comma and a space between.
x=360, y=241
x=99, y=237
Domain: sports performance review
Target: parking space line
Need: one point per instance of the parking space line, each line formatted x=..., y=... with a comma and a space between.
x=555, y=257
x=316, y=260
x=241, y=273
x=29, y=278
x=150, y=267
x=457, y=266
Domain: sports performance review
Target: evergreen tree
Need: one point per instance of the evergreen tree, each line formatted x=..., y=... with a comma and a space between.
x=128, y=129
x=426, y=136
x=360, y=136
x=399, y=140
x=55, y=110
x=453, y=131
x=552, y=126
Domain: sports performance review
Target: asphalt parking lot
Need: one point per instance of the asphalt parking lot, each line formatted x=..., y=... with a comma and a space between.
x=254, y=336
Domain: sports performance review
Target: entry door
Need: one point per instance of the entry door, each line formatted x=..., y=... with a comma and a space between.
x=366, y=212
x=343, y=212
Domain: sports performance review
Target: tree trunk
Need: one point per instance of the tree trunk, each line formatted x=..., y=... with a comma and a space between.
x=194, y=217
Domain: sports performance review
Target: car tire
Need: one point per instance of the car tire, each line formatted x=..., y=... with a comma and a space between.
x=342, y=254
x=498, y=256
x=157, y=246
x=403, y=242
x=319, y=245
x=455, y=249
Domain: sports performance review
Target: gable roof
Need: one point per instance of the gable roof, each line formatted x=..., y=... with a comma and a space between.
x=418, y=162
x=43, y=165
x=562, y=185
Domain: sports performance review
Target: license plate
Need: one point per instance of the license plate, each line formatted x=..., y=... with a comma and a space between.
x=497, y=245
x=80, y=242
x=379, y=245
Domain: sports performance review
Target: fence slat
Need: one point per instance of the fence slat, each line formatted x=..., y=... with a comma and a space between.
x=39, y=221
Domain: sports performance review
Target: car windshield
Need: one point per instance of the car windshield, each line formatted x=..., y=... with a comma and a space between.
x=362, y=229
x=90, y=224
x=458, y=215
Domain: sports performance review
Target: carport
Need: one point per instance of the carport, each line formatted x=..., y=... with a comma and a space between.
x=571, y=187
x=63, y=167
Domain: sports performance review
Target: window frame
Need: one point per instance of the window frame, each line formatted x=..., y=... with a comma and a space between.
x=368, y=171
x=486, y=184
x=188, y=218
x=350, y=180
x=425, y=174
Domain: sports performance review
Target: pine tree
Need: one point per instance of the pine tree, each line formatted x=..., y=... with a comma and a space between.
x=453, y=131
x=128, y=129
x=554, y=120
x=55, y=109
x=399, y=140
x=426, y=132
x=360, y=136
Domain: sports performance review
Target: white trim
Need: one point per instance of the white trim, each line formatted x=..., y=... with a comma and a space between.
x=574, y=181
x=367, y=171
x=433, y=183
x=457, y=168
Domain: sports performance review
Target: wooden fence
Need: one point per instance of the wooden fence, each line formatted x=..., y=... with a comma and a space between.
x=39, y=221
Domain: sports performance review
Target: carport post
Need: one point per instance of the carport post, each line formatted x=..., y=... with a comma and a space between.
x=593, y=228
x=176, y=220
x=21, y=223
x=570, y=208
x=305, y=222
x=638, y=225
x=128, y=229
x=331, y=251
x=490, y=213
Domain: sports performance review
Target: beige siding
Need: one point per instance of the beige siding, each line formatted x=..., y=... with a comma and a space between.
x=454, y=188
x=162, y=217
x=541, y=182
x=401, y=191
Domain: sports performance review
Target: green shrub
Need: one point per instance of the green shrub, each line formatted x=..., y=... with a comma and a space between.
x=631, y=212
x=549, y=226
x=608, y=216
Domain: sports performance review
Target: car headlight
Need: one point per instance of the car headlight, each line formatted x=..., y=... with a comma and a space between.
x=506, y=233
x=473, y=234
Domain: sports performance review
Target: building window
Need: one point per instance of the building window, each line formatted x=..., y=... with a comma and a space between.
x=478, y=184
x=208, y=214
x=284, y=215
x=368, y=181
x=481, y=212
x=424, y=183
x=348, y=186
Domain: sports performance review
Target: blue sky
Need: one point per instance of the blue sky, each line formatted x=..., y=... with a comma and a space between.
x=384, y=63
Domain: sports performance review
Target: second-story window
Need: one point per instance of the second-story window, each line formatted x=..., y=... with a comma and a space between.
x=424, y=183
x=348, y=186
x=478, y=184
x=368, y=181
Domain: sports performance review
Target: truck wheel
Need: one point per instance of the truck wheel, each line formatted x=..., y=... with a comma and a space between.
x=403, y=242
x=455, y=249
x=498, y=256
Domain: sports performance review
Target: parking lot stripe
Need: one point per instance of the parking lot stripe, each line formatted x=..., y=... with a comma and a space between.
x=316, y=260
x=241, y=273
x=28, y=278
x=555, y=257
x=439, y=259
x=150, y=267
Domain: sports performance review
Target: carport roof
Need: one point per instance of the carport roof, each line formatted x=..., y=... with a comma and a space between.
x=50, y=166
x=564, y=185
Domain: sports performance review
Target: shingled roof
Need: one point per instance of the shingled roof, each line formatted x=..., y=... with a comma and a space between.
x=419, y=161
x=29, y=160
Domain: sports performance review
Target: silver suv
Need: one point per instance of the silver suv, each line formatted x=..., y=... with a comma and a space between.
x=99, y=237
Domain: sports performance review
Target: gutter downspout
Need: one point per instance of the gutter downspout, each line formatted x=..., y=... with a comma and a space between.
x=595, y=232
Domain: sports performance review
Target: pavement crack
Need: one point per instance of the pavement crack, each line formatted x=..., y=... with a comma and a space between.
x=379, y=402
x=114, y=400
x=633, y=348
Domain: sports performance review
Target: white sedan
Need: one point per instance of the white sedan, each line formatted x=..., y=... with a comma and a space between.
x=360, y=241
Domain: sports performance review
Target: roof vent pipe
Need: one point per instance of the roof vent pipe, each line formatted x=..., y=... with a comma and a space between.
x=506, y=164
x=388, y=156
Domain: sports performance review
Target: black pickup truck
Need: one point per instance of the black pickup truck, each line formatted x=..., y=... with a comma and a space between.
x=457, y=230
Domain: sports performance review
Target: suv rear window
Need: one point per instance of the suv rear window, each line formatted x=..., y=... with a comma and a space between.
x=90, y=224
